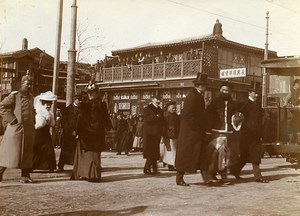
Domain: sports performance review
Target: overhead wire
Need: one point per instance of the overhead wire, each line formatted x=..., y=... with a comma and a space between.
x=282, y=6
x=224, y=16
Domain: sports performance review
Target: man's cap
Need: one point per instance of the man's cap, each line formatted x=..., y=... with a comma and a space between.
x=169, y=104
x=296, y=81
x=26, y=78
x=201, y=79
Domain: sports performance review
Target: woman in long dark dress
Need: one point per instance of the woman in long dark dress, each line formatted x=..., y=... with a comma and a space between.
x=92, y=121
x=43, y=150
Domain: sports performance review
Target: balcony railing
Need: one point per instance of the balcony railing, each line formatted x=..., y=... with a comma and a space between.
x=155, y=71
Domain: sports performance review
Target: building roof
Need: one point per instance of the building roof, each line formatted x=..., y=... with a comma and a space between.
x=190, y=40
x=282, y=62
x=24, y=52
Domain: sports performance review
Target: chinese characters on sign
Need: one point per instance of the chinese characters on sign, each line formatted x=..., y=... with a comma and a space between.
x=232, y=73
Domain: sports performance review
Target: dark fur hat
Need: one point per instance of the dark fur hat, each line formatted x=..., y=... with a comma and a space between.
x=226, y=83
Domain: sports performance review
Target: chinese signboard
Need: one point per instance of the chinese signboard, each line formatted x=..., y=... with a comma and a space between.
x=232, y=73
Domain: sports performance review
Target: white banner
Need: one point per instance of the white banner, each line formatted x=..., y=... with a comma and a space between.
x=232, y=73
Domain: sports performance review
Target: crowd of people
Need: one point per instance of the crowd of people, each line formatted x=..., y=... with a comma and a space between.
x=148, y=58
x=217, y=140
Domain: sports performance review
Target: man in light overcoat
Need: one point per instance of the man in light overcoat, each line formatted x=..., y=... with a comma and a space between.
x=16, y=148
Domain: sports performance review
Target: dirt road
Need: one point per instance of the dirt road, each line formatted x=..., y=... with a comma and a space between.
x=125, y=190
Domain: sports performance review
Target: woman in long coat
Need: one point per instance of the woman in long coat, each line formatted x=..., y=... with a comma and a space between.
x=92, y=122
x=43, y=154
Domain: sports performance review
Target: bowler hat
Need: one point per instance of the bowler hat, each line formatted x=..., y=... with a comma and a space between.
x=201, y=79
x=77, y=96
x=156, y=95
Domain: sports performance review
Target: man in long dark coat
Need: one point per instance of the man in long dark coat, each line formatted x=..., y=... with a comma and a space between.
x=251, y=132
x=69, y=121
x=16, y=148
x=191, y=150
x=152, y=133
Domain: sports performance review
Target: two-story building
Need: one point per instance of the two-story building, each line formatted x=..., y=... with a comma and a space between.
x=173, y=65
x=39, y=64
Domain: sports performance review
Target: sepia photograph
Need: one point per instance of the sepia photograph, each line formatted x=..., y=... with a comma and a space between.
x=139, y=107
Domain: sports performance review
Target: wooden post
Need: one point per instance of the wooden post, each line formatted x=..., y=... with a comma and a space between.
x=57, y=55
x=71, y=56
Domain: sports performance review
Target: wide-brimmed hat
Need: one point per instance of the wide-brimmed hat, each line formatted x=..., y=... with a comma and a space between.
x=48, y=96
x=201, y=79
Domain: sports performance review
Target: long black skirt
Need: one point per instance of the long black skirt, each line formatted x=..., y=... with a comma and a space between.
x=43, y=150
x=86, y=164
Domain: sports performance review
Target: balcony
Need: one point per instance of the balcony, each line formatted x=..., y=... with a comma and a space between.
x=152, y=72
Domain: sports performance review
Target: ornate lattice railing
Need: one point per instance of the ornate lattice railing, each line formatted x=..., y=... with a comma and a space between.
x=160, y=71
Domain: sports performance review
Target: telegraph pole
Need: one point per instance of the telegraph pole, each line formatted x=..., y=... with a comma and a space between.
x=264, y=81
x=267, y=37
x=57, y=54
x=71, y=56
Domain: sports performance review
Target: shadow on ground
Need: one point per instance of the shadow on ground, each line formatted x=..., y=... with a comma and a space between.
x=125, y=212
x=124, y=177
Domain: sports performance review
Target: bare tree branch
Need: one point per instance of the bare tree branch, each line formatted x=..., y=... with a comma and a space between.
x=88, y=39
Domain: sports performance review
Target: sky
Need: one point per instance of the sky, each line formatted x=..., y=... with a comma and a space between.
x=119, y=24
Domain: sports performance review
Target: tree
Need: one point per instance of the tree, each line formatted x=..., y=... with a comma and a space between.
x=89, y=41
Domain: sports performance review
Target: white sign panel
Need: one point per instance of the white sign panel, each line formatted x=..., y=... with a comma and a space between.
x=232, y=73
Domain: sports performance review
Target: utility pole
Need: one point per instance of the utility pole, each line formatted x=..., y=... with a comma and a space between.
x=267, y=37
x=264, y=81
x=71, y=56
x=57, y=54
x=201, y=58
x=57, y=61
